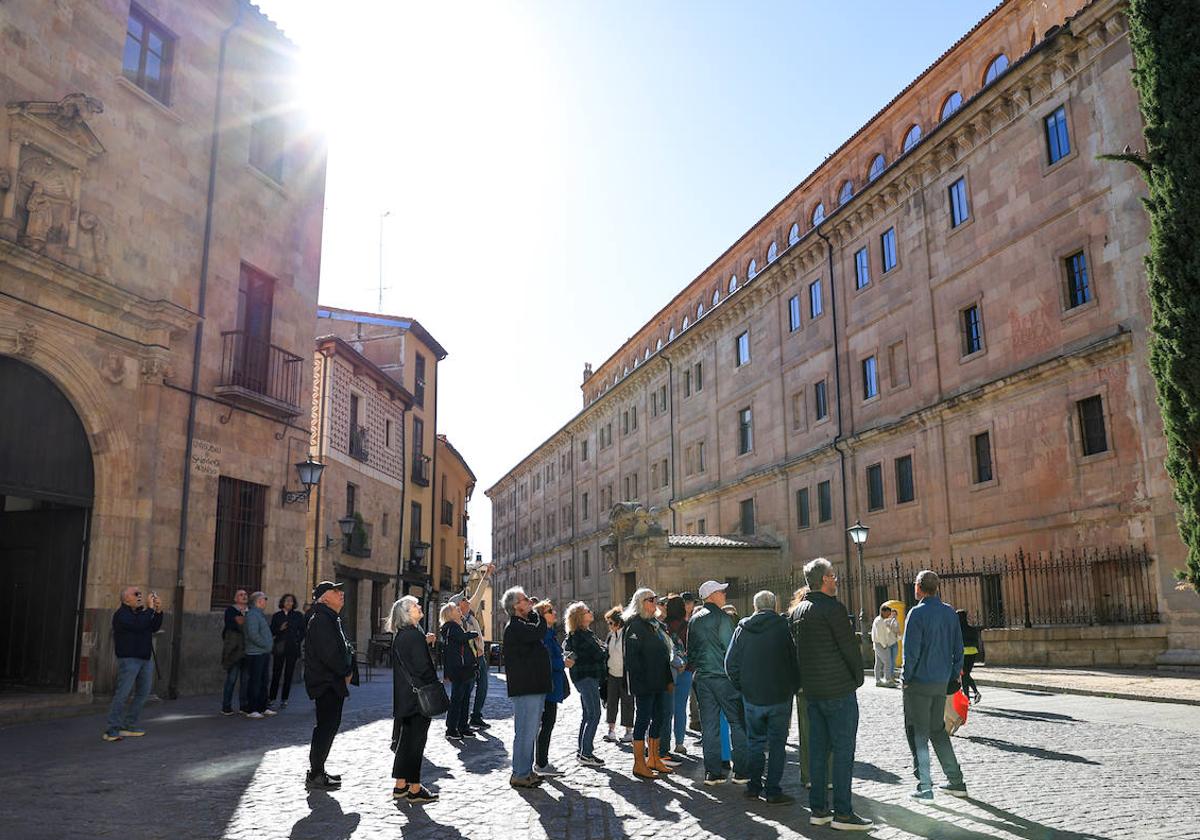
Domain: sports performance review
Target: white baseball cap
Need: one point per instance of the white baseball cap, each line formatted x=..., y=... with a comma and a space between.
x=709, y=587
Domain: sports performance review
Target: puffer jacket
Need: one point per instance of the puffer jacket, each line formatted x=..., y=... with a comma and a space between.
x=526, y=660
x=647, y=657
x=591, y=659
x=761, y=662
x=458, y=659
x=710, y=630
x=827, y=651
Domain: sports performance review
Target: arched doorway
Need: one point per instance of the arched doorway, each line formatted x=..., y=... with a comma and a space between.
x=45, y=503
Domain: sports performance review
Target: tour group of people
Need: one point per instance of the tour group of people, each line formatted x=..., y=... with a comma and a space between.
x=663, y=660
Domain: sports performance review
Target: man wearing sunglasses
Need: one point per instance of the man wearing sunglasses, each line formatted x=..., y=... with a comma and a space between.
x=710, y=629
x=134, y=624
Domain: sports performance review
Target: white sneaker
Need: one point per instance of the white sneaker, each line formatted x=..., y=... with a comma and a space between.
x=270, y=713
x=255, y=716
x=611, y=737
x=547, y=770
x=627, y=738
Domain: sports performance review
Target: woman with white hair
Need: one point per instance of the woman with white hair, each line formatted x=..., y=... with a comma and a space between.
x=648, y=668
x=412, y=668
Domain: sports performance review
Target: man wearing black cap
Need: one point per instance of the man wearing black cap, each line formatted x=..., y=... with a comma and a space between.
x=328, y=668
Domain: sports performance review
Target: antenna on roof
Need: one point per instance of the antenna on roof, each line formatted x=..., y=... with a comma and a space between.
x=382, y=216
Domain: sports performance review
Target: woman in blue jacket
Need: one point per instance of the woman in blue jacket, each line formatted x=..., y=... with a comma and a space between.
x=458, y=668
x=559, y=689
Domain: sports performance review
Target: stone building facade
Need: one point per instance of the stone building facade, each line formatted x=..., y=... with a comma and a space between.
x=160, y=227
x=358, y=423
x=941, y=331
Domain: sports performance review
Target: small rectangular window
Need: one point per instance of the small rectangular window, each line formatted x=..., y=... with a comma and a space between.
x=862, y=269
x=625, y=422
x=584, y=502
x=972, y=330
x=701, y=526
x=699, y=379
x=1091, y=425
x=870, y=369
x=662, y=399
x=802, y=520
x=983, y=457
x=267, y=139
x=959, y=209
x=793, y=313
x=742, y=349
x=745, y=431
x=687, y=383
x=583, y=450
x=1058, y=137
x=820, y=402
x=587, y=564
x=887, y=249
x=148, y=55
x=633, y=416
x=1079, y=289
x=905, y=491
x=814, y=299
x=875, y=487
x=824, y=502
x=700, y=457
x=746, y=515
x=689, y=460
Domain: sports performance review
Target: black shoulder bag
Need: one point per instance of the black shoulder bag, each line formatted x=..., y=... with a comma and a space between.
x=431, y=699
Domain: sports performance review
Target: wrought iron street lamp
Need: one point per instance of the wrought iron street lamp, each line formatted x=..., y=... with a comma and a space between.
x=310, y=476
x=858, y=536
x=346, y=525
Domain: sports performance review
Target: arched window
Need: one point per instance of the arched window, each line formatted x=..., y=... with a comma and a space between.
x=716, y=296
x=636, y=360
x=794, y=234
x=953, y=103
x=818, y=215
x=626, y=372
x=751, y=269
x=616, y=379
x=877, y=167
x=671, y=335
x=846, y=193
x=772, y=252
x=686, y=322
x=699, y=310
x=659, y=346
x=913, y=137
x=647, y=356
x=999, y=65
x=733, y=284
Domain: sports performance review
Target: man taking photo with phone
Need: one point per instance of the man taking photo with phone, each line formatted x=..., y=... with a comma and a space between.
x=134, y=625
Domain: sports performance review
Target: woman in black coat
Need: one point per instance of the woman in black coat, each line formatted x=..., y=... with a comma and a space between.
x=287, y=629
x=459, y=667
x=648, y=669
x=412, y=667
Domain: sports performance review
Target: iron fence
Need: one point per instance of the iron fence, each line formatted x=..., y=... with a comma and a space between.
x=1088, y=586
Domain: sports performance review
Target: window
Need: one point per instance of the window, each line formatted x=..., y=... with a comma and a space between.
x=814, y=299
x=898, y=364
x=701, y=526
x=1079, y=290
x=384, y=524
x=875, y=487
x=802, y=520
x=1058, y=136
x=587, y=563
x=904, y=480
x=953, y=103
x=862, y=269
x=584, y=506
x=870, y=370
x=716, y=298
x=662, y=398
x=846, y=193
x=700, y=456
x=818, y=215
x=1091, y=425
x=877, y=166
x=824, y=502
x=972, y=326
x=772, y=252
x=149, y=53
x=252, y=353
x=687, y=383
x=794, y=234
x=742, y=349
x=746, y=516
x=689, y=461
x=665, y=472
x=698, y=379
x=583, y=450
x=635, y=486
x=912, y=137
x=267, y=139
x=654, y=475
x=751, y=269
x=959, y=210
x=745, y=431
x=997, y=66
x=238, y=547
x=820, y=401
x=983, y=457
x=887, y=249
x=794, y=313
x=733, y=284
x=387, y=433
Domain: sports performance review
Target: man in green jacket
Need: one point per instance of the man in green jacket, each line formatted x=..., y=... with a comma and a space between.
x=710, y=630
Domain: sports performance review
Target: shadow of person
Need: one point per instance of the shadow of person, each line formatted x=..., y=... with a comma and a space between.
x=871, y=773
x=574, y=814
x=325, y=820
x=885, y=815
x=1017, y=714
x=419, y=824
x=1024, y=749
x=1014, y=824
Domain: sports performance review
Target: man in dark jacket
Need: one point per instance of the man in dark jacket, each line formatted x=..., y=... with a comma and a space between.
x=233, y=654
x=761, y=664
x=328, y=668
x=527, y=669
x=134, y=626
x=710, y=630
x=831, y=670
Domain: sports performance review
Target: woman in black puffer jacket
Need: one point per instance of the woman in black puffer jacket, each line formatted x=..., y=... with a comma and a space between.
x=648, y=669
x=588, y=661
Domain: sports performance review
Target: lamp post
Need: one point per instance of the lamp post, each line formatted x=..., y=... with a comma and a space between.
x=858, y=536
x=310, y=476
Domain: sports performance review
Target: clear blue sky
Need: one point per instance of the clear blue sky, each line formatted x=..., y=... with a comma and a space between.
x=556, y=171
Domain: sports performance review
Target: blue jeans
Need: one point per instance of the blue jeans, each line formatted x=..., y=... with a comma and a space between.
x=258, y=671
x=527, y=720
x=833, y=724
x=726, y=746
x=683, y=689
x=236, y=675
x=589, y=696
x=481, y=688
x=716, y=694
x=136, y=676
x=460, y=695
x=767, y=730
x=885, y=663
x=925, y=723
x=648, y=712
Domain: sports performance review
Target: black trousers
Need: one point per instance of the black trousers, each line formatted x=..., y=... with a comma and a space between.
x=284, y=666
x=968, y=682
x=549, y=716
x=329, y=718
x=410, y=749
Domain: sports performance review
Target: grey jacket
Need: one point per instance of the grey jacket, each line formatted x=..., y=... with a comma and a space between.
x=257, y=631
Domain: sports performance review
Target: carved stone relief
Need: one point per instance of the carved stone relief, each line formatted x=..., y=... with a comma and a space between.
x=27, y=337
x=91, y=224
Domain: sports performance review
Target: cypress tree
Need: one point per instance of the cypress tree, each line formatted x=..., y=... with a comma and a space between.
x=1164, y=36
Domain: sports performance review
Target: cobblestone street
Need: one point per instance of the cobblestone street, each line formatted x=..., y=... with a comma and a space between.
x=1038, y=766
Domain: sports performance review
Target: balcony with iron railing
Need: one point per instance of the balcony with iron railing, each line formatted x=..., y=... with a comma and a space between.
x=420, y=470
x=358, y=443
x=259, y=375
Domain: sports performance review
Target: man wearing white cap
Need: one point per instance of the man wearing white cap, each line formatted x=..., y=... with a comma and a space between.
x=710, y=630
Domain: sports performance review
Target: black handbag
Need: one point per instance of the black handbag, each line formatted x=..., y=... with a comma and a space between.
x=431, y=699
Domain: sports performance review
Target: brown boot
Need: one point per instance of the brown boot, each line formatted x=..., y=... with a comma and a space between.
x=655, y=761
x=640, y=769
